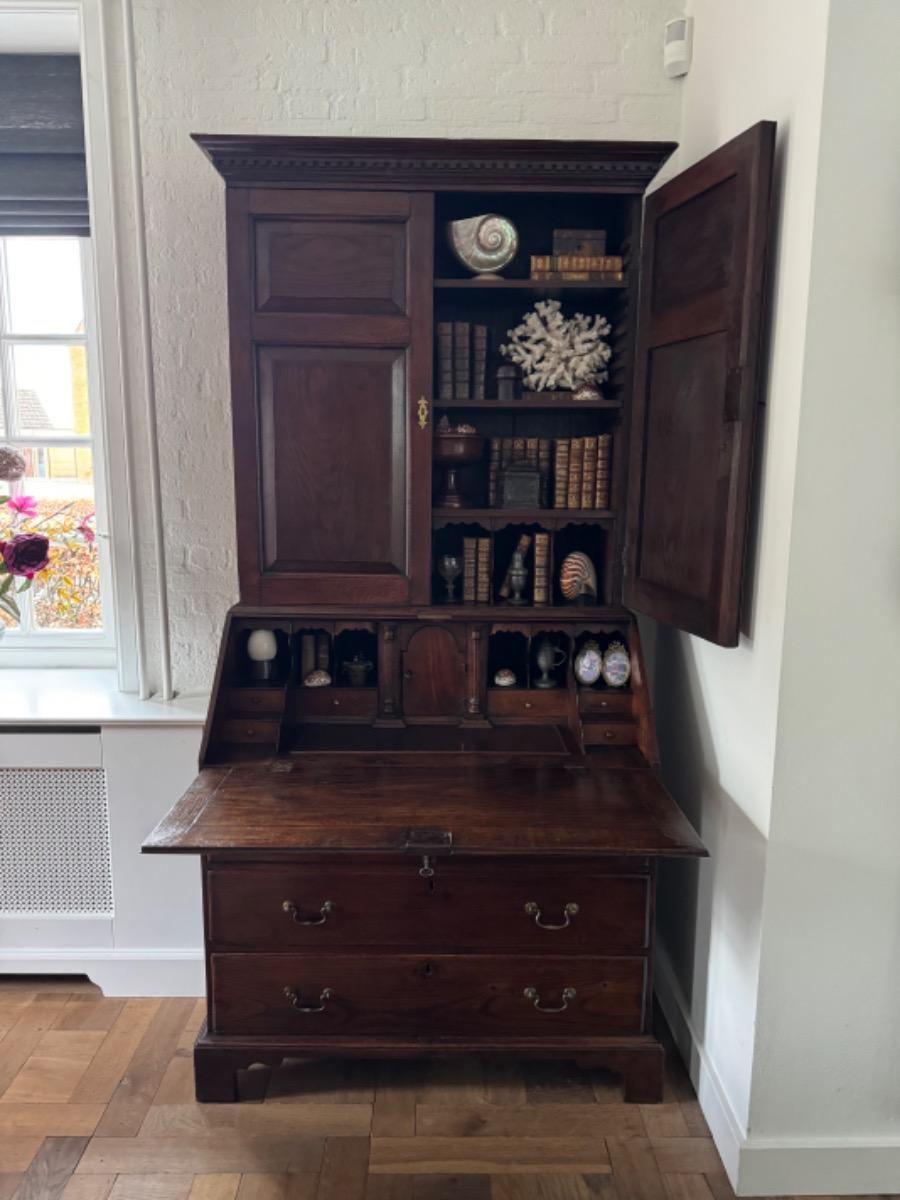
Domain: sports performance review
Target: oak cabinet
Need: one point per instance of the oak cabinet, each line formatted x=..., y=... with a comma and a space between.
x=412, y=858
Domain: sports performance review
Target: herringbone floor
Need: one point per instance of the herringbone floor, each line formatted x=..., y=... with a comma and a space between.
x=96, y=1103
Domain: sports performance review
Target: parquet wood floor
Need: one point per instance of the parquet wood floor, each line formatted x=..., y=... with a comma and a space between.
x=96, y=1103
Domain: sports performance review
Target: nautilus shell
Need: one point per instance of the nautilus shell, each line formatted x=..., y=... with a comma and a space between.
x=577, y=576
x=484, y=243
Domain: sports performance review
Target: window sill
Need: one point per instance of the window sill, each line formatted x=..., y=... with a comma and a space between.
x=41, y=696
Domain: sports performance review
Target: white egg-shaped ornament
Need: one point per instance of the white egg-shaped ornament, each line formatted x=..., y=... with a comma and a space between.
x=588, y=664
x=262, y=650
x=616, y=665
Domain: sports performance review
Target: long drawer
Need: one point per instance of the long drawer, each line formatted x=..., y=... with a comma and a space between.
x=421, y=996
x=476, y=905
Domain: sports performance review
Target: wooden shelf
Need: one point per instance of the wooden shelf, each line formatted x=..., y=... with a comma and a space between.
x=600, y=614
x=538, y=286
x=493, y=518
x=558, y=400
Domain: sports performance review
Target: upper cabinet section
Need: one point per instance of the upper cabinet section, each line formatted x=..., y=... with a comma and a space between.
x=695, y=389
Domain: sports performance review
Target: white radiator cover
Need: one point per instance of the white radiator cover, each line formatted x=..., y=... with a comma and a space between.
x=54, y=842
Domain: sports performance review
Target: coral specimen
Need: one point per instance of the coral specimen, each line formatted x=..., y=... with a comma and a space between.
x=557, y=352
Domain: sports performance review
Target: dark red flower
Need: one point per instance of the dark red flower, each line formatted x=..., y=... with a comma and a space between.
x=26, y=554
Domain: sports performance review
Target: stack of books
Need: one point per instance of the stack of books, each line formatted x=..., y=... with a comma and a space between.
x=578, y=268
x=477, y=566
x=462, y=360
x=535, y=452
x=582, y=472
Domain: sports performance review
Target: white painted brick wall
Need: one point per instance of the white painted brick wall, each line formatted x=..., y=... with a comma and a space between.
x=404, y=68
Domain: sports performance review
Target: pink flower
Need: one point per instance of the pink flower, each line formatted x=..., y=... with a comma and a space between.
x=25, y=506
x=85, y=530
x=26, y=554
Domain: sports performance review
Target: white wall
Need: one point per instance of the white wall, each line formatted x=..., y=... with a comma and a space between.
x=456, y=68
x=717, y=708
x=828, y=1046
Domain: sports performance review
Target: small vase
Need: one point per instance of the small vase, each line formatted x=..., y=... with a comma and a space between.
x=518, y=577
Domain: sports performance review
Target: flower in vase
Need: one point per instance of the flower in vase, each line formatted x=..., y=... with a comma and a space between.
x=23, y=506
x=84, y=528
x=26, y=554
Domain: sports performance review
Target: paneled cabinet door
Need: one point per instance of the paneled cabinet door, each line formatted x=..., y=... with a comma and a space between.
x=695, y=395
x=330, y=300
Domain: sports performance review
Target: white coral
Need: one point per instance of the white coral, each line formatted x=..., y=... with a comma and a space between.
x=557, y=352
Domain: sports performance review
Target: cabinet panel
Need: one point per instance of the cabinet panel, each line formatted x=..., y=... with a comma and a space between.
x=323, y=266
x=695, y=393
x=332, y=500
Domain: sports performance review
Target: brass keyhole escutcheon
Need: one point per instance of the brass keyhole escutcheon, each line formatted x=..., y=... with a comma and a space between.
x=423, y=409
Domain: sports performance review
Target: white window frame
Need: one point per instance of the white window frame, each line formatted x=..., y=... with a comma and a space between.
x=107, y=371
x=61, y=647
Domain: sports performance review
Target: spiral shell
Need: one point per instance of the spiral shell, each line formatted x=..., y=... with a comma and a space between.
x=577, y=576
x=484, y=243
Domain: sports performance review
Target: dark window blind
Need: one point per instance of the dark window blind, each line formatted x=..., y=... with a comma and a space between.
x=43, y=182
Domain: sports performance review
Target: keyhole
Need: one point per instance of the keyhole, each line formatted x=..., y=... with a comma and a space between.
x=428, y=970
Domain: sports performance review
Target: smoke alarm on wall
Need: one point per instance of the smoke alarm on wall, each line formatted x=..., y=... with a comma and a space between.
x=677, y=46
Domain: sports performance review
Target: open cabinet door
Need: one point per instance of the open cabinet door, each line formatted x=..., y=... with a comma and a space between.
x=695, y=389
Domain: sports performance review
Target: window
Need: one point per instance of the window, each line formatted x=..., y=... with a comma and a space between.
x=49, y=411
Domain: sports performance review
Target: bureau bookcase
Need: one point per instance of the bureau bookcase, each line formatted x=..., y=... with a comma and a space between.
x=411, y=859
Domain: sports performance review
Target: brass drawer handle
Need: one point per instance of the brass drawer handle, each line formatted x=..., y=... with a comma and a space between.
x=294, y=912
x=568, y=994
x=295, y=997
x=570, y=910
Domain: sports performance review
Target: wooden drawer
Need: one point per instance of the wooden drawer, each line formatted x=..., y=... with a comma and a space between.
x=603, y=703
x=426, y=996
x=475, y=904
x=255, y=701
x=358, y=703
x=531, y=705
x=250, y=729
x=610, y=733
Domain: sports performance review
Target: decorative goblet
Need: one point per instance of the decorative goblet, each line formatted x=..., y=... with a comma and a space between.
x=518, y=577
x=452, y=451
x=449, y=568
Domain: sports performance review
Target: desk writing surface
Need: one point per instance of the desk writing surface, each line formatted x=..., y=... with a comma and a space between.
x=317, y=803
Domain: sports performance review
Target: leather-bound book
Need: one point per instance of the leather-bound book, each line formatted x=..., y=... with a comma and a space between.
x=307, y=654
x=576, y=469
x=479, y=361
x=506, y=451
x=462, y=380
x=545, y=452
x=323, y=651
x=561, y=472
x=470, y=568
x=494, y=471
x=531, y=451
x=604, y=471
x=483, y=572
x=445, y=360
x=521, y=548
x=589, y=473
x=541, y=568
x=518, y=451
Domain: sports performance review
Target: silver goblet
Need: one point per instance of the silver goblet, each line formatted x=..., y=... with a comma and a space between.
x=450, y=568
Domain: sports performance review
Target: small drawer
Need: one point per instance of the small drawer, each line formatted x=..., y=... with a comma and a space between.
x=610, y=733
x=530, y=705
x=250, y=729
x=520, y=905
x=427, y=996
x=255, y=700
x=357, y=703
x=602, y=703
